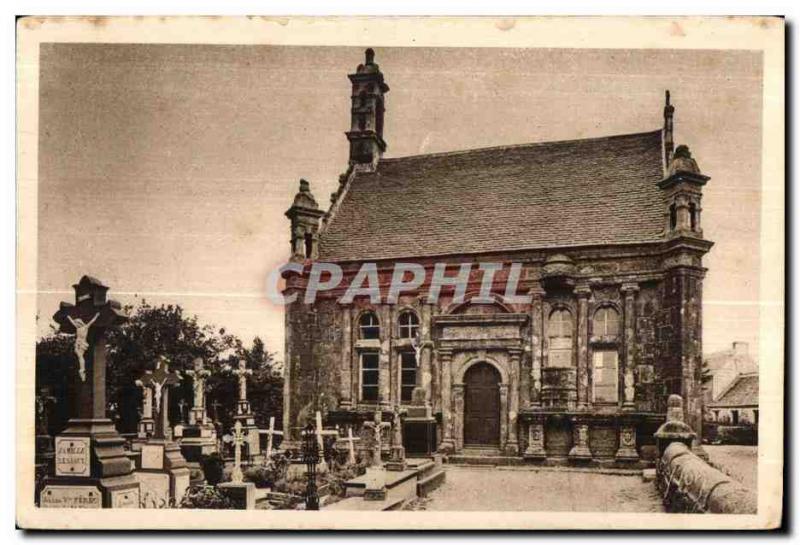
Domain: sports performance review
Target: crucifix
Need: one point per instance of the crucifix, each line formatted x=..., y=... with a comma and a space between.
x=242, y=372
x=237, y=439
x=199, y=376
x=270, y=433
x=89, y=319
x=160, y=381
x=351, y=450
x=377, y=425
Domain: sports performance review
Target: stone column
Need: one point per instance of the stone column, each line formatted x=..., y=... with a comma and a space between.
x=537, y=333
x=583, y=292
x=446, y=360
x=512, y=446
x=504, y=439
x=345, y=362
x=629, y=292
x=355, y=363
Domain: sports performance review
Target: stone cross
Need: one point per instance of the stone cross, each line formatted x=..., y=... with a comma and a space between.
x=351, y=450
x=270, y=433
x=199, y=374
x=398, y=451
x=147, y=400
x=377, y=426
x=182, y=408
x=237, y=439
x=89, y=319
x=160, y=381
x=242, y=372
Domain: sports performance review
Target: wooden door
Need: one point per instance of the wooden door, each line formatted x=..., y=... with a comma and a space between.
x=482, y=406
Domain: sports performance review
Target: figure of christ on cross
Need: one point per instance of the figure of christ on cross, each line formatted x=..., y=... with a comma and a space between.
x=242, y=372
x=89, y=319
x=157, y=380
x=82, y=341
x=377, y=425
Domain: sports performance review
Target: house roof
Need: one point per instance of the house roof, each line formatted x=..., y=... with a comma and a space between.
x=742, y=392
x=533, y=196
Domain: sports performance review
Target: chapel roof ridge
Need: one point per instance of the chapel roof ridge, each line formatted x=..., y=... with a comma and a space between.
x=518, y=146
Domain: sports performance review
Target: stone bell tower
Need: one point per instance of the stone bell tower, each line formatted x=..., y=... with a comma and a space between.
x=368, y=106
x=304, y=215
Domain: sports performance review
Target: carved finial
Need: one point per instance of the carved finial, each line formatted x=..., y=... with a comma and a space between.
x=370, y=56
x=669, y=143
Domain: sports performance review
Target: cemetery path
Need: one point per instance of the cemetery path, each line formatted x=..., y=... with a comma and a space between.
x=509, y=489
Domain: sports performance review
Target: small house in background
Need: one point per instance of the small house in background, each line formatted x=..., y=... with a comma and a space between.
x=731, y=396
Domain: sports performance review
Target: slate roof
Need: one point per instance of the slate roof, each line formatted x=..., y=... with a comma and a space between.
x=533, y=196
x=742, y=392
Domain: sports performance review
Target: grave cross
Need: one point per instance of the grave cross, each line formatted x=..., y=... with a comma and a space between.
x=199, y=375
x=351, y=450
x=242, y=372
x=89, y=319
x=270, y=433
x=377, y=426
x=237, y=439
x=322, y=433
x=157, y=380
x=182, y=408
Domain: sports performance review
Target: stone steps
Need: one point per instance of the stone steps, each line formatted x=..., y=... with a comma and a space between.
x=430, y=483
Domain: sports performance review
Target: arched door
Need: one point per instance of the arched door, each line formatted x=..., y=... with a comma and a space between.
x=482, y=406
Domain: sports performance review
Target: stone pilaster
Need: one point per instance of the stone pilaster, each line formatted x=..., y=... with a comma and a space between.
x=384, y=357
x=537, y=333
x=583, y=292
x=580, y=440
x=629, y=331
x=426, y=354
x=512, y=446
x=535, y=449
x=446, y=361
x=346, y=383
x=627, y=442
x=458, y=415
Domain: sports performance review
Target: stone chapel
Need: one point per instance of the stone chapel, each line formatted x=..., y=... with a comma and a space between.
x=608, y=232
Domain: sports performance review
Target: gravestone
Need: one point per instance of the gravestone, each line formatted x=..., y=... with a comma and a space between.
x=91, y=467
x=161, y=468
x=199, y=436
x=376, y=474
x=252, y=447
x=397, y=460
x=271, y=432
x=241, y=494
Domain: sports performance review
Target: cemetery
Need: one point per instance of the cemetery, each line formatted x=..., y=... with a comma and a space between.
x=191, y=460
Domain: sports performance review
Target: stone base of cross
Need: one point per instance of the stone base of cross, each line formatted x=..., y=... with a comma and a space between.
x=91, y=466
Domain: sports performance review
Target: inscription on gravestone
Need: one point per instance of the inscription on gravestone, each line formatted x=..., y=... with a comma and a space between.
x=125, y=499
x=71, y=497
x=73, y=456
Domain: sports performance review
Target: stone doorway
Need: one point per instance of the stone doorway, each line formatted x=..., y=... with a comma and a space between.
x=482, y=406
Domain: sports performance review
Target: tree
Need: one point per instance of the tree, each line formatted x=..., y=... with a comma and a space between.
x=166, y=330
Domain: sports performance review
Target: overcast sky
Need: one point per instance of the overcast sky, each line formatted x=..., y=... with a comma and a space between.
x=165, y=170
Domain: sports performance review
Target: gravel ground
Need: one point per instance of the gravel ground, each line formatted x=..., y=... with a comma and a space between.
x=738, y=461
x=500, y=489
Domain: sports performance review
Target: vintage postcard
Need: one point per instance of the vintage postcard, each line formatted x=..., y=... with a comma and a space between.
x=400, y=273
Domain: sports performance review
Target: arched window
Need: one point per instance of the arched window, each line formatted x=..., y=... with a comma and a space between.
x=559, y=329
x=369, y=326
x=606, y=322
x=409, y=325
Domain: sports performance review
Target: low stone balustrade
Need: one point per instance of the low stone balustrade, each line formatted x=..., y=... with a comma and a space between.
x=688, y=484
